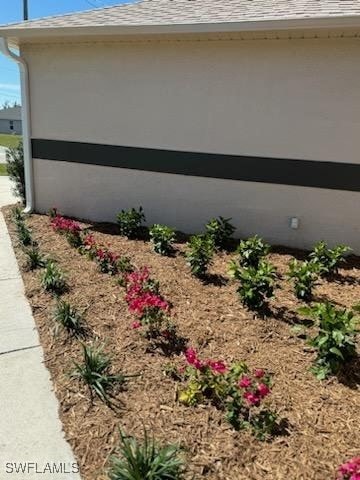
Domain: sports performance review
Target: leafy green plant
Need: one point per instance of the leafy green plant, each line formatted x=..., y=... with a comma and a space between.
x=256, y=283
x=304, y=275
x=24, y=234
x=199, y=254
x=130, y=221
x=328, y=259
x=95, y=372
x=69, y=318
x=17, y=215
x=53, y=279
x=124, y=265
x=252, y=251
x=146, y=460
x=220, y=231
x=162, y=238
x=15, y=168
x=35, y=258
x=335, y=340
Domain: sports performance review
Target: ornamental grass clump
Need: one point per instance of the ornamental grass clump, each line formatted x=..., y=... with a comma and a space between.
x=68, y=318
x=146, y=460
x=328, y=259
x=233, y=389
x=252, y=251
x=95, y=372
x=256, y=283
x=220, y=231
x=52, y=279
x=35, y=259
x=349, y=470
x=162, y=238
x=71, y=229
x=335, y=340
x=130, y=222
x=24, y=234
x=304, y=274
x=200, y=251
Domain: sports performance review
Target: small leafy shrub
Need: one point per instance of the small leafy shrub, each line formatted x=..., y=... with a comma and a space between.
x=53, y=279
x=252, y=251
x=89, y=246
x=24, y=234
x=199, y=254
x=162, y=238
x=256, y=283
x=130, y=221
x=335, y=340
x=234, y=389
x=95, y=372
x=125, y=265
x=69, y=318
x=146, y=460
x=328, y=259
x=220, y=231
x=34, y=258
x=17, y=215
x=53, y=212
x=15, y=169
x=349, y=470
x=305, y=275
x=107, y=261
x=69, y=228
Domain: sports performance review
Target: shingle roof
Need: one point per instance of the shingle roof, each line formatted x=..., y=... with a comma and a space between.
x=172, y=12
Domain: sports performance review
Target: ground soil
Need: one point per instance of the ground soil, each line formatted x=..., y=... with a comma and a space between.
x=323, y=417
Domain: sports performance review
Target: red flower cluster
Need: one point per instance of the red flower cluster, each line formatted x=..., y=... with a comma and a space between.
x=103, y=255
x=255, y=390
x=217, y=366
x=65, y=225
x=350, y=470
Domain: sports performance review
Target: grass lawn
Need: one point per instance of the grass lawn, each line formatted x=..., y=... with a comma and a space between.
x=318, y=421
x=3, y=171
x=9, y=140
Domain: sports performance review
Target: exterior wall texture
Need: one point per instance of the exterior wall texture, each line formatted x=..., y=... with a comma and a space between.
x=5, y=126
x=291, y=99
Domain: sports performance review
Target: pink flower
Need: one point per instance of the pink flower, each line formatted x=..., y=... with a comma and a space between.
x=245, y=382
x=217, y=366
x=263, y=390
x=350, y=470
x=192, y=359
x=259, y=373
x=252, y=398
x=136, y=325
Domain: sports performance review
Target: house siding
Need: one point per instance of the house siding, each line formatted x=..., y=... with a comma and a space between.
x=274, y=99
x=5, y=126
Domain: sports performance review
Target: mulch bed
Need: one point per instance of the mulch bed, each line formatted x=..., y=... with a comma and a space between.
x=323, y=417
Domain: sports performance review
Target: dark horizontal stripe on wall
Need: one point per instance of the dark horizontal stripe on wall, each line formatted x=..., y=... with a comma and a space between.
x=306, y=173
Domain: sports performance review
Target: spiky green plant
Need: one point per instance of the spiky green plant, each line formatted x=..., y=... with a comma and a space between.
x=146, y=460
x=53, y=279
x=69, y=318
x=220, y=231
x=35, y=258
x=24, y=234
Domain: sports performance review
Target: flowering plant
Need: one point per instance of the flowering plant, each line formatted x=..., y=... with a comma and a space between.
x=89, y=246
x=106, y=260
x=68, y=227
x=234, y=389
x=350, y=470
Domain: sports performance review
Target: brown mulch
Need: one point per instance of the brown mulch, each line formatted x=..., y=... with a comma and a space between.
x=323, y=417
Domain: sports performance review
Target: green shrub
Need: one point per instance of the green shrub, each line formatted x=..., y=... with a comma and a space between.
x=199, y=254
x=69, y=318
x=146, y=460
x=220, y=231
x=256, y=283
x=95, y=372
x=304, y=275
x=15, y=168
x=130, y=221
x=328, y=259
x=252, y=251
x=162, y=238
x=24, y=234
x=335, y=340
x=52, y=279
x=34, y=258
x=17, y=215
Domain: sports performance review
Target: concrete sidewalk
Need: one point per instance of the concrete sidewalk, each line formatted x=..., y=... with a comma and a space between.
x=2, y=154
x=31, y=440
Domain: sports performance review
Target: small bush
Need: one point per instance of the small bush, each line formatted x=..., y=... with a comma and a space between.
x=89, y=246
x=130, y=221
x=199, y=254
x=34, y=258
x=335, y=340
x=69, y=318
x=24, y=234
x=15, y=168
x=125, y=265
x=162, y=238
x=304, y=275
x=52, y=279
x=95, y=372
x=17, y=215
x=107, y=261
x=256, y=283
x=328, y=259
x=53, y=212
x=146, y=461
x=252, y=251
x=220, y=231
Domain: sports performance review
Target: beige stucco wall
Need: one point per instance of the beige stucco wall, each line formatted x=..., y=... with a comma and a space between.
x=295, y=99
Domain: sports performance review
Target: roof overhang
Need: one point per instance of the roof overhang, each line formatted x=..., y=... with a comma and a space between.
x=17, y=36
